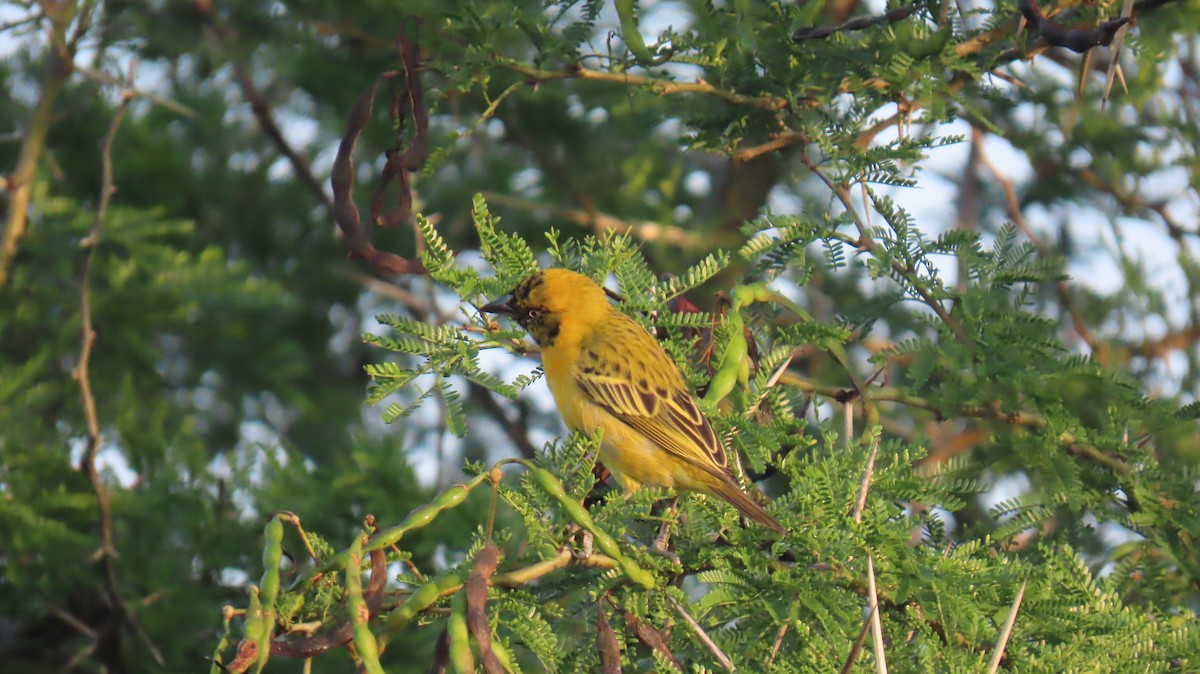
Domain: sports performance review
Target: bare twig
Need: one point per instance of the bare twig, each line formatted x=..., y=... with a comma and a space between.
x=222, y=32
x=82, y=373
x=858, y=23
x=861, y=502
x=778, y=643
x=702, y=635
x=266, y=121
x=856, y=647
x=104, y=78
x=1006, y=630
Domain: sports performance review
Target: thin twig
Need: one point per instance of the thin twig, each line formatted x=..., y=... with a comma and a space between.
x=104, y=78
x=856, y=647
x=702, y=635
x=778, y=643
x=778, y=141
x=266, y=121
x=867, y=243
x=876, y=624
x=82, y=373
x=861, y=502
x=1018, y=218
x=221, y=34
x=1006, y=630
x=654, y=84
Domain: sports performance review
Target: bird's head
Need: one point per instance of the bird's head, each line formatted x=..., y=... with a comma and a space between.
x=554, y=302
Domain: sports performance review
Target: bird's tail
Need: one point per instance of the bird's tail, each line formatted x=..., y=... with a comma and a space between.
x=745, y=504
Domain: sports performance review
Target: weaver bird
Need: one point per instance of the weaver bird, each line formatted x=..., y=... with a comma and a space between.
x=608, y=372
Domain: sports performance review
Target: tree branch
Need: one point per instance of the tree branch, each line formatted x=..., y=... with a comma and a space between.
x=59, y=64
x=659, y=86
x=82, y=374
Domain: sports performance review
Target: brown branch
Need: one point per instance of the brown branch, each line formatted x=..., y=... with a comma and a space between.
x=59, y=64
x=82, y=373
x=778, y=142
x=1078, y=40
x=858, y=23
x=476, y=588
x=266, y=121
x=659, y=86
x=221, y=31
x=702, y=635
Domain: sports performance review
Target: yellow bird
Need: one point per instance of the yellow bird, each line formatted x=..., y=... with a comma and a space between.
x=608, y=372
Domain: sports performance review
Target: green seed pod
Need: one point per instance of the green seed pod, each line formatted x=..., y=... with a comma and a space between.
x=360, y=613
x=460, y=636
x=580, y=515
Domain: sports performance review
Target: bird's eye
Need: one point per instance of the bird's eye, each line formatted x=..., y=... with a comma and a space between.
x=533, y=313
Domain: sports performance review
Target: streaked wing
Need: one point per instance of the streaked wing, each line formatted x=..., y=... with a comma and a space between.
x=630, y=375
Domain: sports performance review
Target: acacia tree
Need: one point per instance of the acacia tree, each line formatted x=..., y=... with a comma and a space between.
x=179, y=355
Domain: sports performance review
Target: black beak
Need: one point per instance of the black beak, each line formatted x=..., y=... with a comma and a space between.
x=502, y=306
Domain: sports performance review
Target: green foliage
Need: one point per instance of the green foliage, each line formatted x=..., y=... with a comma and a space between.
x=914, y=225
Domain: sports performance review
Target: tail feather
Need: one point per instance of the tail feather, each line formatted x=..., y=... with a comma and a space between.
x=746, y=505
